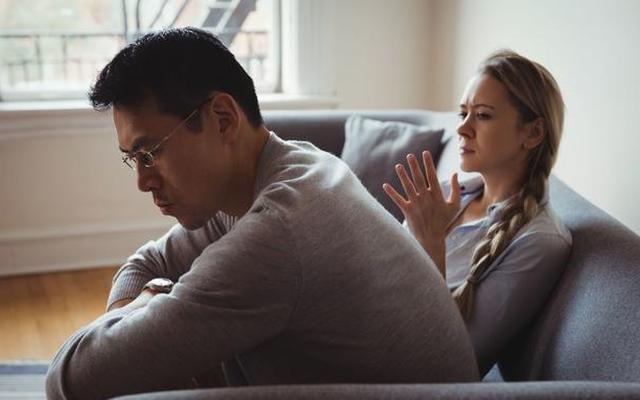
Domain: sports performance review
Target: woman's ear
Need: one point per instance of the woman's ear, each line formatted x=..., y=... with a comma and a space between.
x=227, y=112
x=535, y=134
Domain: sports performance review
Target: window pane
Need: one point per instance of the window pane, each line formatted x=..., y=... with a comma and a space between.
x=54, y=48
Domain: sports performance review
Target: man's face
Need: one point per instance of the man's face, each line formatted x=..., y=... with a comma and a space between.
x=190, y=169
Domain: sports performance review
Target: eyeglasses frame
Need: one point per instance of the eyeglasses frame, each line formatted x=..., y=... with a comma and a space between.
x=131, y=160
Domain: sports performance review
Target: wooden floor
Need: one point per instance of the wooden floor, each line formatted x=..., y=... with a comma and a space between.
x=38, y=312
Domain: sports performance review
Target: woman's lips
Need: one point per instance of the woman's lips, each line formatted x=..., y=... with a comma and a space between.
x=466, y=150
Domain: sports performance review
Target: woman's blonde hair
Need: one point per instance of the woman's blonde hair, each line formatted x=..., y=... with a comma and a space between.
x=535, y=94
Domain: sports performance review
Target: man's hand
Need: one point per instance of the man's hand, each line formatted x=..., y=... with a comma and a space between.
x=140, y=301
x=119, y=304
x=427, y=213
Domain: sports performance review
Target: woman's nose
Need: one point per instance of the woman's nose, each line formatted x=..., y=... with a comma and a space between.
x=465, y=127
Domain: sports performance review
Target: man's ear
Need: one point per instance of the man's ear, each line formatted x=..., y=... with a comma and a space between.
x=228, y=114
x=535, y=134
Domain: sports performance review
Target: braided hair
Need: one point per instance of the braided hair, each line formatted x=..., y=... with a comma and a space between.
x=535, y=94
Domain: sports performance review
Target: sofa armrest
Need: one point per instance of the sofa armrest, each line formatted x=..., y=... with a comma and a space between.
x=564, y=390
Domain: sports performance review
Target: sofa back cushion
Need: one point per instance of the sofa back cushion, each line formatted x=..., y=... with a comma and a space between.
x=325, y=128
x=372, y=148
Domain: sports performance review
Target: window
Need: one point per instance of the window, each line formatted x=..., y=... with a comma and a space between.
x=53, y=49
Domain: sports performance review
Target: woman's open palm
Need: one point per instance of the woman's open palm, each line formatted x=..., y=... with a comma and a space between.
x=427, y=213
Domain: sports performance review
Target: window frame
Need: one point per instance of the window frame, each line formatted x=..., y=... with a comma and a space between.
x=40, y=93
x=306, y=81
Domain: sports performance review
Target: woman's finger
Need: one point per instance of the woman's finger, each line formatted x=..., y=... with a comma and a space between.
x=432, y=177
x=407, y=185
x=454, y=196
x=416, y=173
x=397, y=198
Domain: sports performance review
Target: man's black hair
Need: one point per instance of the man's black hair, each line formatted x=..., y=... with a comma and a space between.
x=178, y=68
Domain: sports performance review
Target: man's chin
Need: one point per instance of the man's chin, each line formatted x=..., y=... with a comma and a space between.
x=190, y=225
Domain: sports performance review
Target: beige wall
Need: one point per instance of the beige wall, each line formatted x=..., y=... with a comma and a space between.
x=57, y=181
x=592, y=48
x=66, y=202
x=380, y=53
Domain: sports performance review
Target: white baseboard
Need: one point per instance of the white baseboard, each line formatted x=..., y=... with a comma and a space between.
x=72, y=248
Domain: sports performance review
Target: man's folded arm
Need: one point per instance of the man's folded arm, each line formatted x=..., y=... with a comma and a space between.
x=168, y=257
x=239, y=293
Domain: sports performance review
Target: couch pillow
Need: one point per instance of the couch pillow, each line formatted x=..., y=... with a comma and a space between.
x=372, y=148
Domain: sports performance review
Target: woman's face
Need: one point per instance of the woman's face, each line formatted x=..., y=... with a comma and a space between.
x=492, y=139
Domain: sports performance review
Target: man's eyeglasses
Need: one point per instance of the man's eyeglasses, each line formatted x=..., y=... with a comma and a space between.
x=147, y=158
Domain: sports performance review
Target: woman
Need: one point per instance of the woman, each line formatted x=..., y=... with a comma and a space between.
x=495, y=239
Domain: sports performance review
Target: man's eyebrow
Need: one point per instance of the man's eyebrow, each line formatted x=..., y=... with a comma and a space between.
x=137, y=144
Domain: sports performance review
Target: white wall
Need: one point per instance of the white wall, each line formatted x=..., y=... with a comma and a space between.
x=592, y=47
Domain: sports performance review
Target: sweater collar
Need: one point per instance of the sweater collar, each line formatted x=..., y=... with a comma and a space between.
x=265, y=163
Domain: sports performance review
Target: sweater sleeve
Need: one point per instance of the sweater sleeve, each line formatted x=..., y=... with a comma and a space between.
x=239, y=293
x=509, y=296
x=168, y=257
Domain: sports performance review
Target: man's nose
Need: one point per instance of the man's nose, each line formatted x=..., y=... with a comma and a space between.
x=148, y=178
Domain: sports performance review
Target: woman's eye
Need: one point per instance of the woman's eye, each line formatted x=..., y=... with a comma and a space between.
x=462, y=115
x=482, y=116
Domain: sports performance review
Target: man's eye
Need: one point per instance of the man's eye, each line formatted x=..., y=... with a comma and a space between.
x=144, y=158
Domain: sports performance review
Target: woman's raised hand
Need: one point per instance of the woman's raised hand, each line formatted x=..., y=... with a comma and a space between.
x=427, y=213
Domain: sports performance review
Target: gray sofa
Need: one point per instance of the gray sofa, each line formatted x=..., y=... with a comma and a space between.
x=585, y=343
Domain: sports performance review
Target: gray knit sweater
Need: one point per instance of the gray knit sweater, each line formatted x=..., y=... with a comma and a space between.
x=316, y=283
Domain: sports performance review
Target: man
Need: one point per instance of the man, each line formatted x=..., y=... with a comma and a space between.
x=282, y=268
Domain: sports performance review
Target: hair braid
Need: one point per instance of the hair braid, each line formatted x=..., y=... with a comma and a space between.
x=518, y=210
